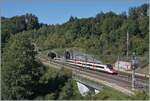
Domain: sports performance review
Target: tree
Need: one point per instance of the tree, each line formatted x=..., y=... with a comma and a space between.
x=31, y=22
x=138, y=45
x=20, y=71
x=71, y=19
x=69, y=91
x=143, y=10
x=16, y=24
x=135, y=12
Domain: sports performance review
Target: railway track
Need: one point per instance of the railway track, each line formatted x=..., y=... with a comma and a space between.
x=121, y=78
x=137, y=76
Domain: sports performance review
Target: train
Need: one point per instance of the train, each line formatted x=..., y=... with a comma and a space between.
x=108, y=68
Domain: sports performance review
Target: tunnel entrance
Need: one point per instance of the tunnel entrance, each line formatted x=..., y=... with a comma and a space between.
x=67, y=55
x=51, y=55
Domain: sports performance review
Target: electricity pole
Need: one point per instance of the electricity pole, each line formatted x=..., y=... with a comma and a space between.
x=133, y=79
x=127, y=44
x=134, y=66
x=118, y=63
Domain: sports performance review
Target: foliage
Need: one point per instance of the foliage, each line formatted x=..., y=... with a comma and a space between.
x=104, y=34
x=141, y=95
x=51, y=83
x=11, y=26
x=20, y=71
x=70, y=91
x=108, y=94
x=23, y=76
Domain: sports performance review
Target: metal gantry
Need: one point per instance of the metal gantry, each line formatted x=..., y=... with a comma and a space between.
x=134, y=66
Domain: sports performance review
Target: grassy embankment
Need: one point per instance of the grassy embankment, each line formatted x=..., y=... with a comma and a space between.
x=70, y=86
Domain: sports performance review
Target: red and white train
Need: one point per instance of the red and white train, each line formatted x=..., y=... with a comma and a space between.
x=108, y=68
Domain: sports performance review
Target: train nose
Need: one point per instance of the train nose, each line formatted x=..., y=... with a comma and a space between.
x=114, y=70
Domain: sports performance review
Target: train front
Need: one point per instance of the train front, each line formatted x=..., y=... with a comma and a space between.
x=111, y=69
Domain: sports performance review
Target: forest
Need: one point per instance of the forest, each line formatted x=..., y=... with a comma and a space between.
x=24, y=77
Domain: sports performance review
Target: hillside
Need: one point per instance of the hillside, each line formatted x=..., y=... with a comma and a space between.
x=103, y=36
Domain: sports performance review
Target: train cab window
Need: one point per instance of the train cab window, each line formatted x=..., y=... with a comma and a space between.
x=109, y=66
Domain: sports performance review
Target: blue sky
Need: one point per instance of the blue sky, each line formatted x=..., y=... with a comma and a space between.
x=59, y=11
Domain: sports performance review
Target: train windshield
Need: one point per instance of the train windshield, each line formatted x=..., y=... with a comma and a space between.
x=109, y=66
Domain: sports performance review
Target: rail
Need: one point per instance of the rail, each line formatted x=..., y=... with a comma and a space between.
x=120, y=79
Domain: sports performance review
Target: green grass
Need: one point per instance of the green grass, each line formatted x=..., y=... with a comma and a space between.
x=107, y=93
x=110, y=94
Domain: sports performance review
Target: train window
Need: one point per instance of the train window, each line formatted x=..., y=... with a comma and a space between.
x=99, y=66
x=88, y=64
x=109, y=66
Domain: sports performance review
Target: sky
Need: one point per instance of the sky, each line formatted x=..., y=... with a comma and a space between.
x=59, y=11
